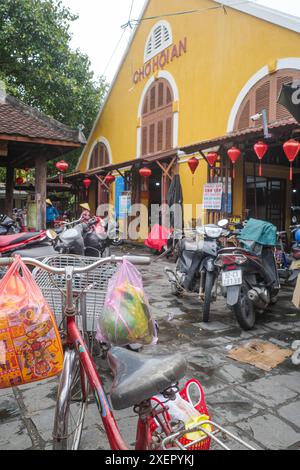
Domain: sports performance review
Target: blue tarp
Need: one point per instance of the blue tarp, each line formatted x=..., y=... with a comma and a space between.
x=259, y=231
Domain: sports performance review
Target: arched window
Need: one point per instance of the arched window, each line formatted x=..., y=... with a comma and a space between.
x=99, y=157
x=159, y=39
x=157, y=118
x=264, y=95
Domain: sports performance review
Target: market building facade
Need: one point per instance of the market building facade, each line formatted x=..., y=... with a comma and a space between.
x=189, y=85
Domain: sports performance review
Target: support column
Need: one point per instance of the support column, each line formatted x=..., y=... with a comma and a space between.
x=40, y=191
x=9, y=190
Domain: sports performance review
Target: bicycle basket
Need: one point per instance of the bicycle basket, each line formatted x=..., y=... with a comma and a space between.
x=89, y=289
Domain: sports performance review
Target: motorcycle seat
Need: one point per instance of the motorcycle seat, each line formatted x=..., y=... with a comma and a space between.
x=7, y=240
x=138, y=377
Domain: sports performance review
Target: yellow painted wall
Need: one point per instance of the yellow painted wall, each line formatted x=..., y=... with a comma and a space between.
x=223, y=53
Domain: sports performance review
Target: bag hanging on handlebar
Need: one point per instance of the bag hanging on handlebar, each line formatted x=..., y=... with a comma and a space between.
x=30, y=346
x=126, y=317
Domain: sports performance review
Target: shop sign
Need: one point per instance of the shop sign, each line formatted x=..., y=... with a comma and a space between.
x=213, y=196
x=125, y=203
x=160, y=61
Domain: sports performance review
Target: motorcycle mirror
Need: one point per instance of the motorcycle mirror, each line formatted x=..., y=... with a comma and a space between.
x=294, y=220
x=51, y=234
x=223, y=223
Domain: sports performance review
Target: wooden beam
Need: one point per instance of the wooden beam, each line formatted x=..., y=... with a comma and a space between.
x=9, y=187
x=34, y=140
x=102, y=181
x=40, y=191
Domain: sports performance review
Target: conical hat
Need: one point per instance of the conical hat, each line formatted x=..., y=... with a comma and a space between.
x=85, y=206
x=49, y=202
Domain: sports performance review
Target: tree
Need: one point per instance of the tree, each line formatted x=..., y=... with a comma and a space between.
x=38, y=65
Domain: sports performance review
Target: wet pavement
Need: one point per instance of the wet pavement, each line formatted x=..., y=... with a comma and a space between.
x=263, y=408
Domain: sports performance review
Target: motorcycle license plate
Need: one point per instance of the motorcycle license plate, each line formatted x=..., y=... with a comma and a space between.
x=232, y=278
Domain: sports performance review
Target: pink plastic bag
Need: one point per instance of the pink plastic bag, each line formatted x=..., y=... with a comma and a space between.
x=126, y=317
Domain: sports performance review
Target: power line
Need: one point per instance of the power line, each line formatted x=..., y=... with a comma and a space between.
x=132, y=22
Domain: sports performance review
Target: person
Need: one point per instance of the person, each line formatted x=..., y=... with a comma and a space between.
x=51, y=214
x=86, y=213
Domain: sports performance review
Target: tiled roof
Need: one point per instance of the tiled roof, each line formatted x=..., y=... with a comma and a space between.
x=18, y=119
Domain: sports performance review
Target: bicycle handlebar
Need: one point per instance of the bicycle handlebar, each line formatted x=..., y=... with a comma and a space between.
x=138, y=260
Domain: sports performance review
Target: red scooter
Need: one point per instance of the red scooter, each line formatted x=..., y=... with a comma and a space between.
x=32, y=244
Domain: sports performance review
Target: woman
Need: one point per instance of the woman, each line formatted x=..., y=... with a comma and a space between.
x=86, y=213
x=51, y=214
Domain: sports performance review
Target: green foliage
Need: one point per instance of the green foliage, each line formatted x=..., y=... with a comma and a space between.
x=38, y=66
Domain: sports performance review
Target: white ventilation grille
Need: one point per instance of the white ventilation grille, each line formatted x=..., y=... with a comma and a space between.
x=159, y=39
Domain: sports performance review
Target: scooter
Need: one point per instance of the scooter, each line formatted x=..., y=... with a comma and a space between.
x=8, y=225
x=250, y=280
x=196, y=272
x=34, y=245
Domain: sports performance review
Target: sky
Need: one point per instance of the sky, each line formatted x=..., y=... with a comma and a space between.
x=98, y=30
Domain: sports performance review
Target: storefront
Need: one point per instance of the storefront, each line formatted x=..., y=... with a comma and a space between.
x=184, y=81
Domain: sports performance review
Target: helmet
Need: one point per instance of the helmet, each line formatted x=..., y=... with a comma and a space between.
x=297, y=236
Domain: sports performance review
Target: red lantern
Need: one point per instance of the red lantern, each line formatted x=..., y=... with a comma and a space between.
x=62, y=167
x=193, y=164
x=234, y=154
x=145, y=172
x=19, y=181
x=260, y=149
x=86, y=183
x=291, y=150
x=212, y=158
x=109, y=179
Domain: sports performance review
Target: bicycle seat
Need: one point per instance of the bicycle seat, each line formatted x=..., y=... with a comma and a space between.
x=138, y=377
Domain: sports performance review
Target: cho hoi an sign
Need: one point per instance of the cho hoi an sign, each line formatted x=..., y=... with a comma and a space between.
x=212, y=196
x=160, y=61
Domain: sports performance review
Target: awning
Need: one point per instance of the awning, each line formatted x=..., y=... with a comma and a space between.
x=286, y=126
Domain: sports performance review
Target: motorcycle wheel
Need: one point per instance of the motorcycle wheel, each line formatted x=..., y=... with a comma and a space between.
x=117, y=242
x=209, y=284
x=106, y=253
x=244, y=310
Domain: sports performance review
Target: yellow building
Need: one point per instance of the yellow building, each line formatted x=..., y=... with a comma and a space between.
x=193, y=83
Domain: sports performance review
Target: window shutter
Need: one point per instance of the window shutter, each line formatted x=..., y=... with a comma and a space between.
x=144, y=141
x=161, y=90
x=169, y=136
x=262, y=100
x=152, y=98
x=145, y=107
x=152, y=138
x=281, y=111
x=169, y=96
x=160, y=131
x=244, y=119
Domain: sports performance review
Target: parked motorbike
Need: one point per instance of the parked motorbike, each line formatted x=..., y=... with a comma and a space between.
x=196, y=272
x=34, y=245
x=250, y=280
x=8, y=225
x=86, y=239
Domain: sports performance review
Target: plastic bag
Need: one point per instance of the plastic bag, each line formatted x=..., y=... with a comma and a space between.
x=30, y=346
x=126, y=317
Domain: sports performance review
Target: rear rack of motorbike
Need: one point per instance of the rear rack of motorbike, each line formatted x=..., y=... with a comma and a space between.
x=218, y=436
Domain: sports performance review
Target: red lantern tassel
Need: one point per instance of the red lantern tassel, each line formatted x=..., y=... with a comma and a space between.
x=260, y=169
x=291, y=172
x=233, y=172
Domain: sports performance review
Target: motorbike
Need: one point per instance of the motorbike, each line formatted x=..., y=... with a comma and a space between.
x=30, y=244
x=196, y=272
x=92, y=239
x=8, y=225
x=250, y=280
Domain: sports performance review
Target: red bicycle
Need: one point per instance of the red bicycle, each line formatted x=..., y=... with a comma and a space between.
x=149, y=385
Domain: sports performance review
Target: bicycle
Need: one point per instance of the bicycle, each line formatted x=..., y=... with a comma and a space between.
x=137, y=378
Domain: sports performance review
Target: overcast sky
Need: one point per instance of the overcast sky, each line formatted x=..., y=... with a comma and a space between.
x=98, y=29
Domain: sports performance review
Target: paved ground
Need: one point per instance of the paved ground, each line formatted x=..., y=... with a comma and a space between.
x=263, y=408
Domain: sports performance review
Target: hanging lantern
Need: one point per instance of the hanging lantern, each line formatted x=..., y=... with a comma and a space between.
x=234, y=154
x=260, y=148
x=193, y=164
x=86, y=183
x=212, y=158
x=145, y=172
x=62, y=167
x=19, y=181
x=291, y=150
x=109, y=179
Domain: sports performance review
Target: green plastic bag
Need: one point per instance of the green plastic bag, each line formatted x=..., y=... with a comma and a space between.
x=126, y=317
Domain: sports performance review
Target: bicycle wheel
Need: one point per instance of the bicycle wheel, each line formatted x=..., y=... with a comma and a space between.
x=72, y=401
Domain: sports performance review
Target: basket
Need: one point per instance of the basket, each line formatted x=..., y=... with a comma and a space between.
x=89, y=289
